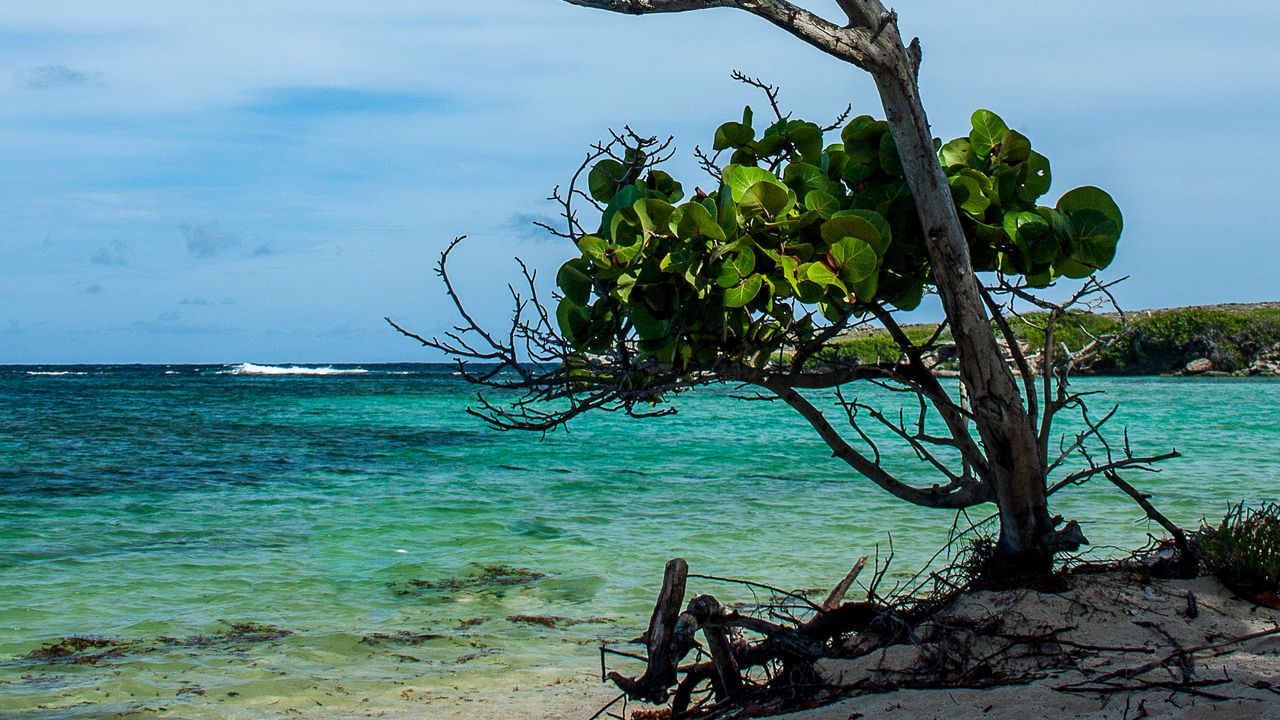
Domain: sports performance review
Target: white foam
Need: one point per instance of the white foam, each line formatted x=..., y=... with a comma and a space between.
x=54, y=373
x=252, y=369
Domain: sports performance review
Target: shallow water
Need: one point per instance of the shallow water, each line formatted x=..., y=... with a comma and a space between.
x=250, y=543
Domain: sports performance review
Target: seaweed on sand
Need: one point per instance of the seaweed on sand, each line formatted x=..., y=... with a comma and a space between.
x=480, y=578
x=90, y=650
x=79, y=650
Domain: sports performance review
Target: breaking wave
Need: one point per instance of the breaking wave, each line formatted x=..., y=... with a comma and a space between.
x=53, y=373
x=252, y=369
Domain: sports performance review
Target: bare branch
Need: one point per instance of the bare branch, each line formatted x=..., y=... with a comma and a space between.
x=935, y=497
x=850, y=43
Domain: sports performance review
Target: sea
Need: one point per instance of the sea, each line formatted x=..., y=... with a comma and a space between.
x=262, y=541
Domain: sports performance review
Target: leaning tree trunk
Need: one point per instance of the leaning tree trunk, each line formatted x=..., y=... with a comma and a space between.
x=1026, y=542
x=872, y=42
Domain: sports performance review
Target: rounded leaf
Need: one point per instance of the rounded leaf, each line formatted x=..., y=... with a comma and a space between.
x=968, y=194
x=855, y=259
x=822, y=202
x=880, y=244
x=595, y=249
x=1038, y=178
x=574, y=280
x=733, y=135
x=889, y=159
x=574, y=321
x=744, y=293
x=740, y=177
x=766, y=199
x=956, y=153
x=1092, y=198
x=1014, y=147
x=988, y=131
x=694, y=220
x=655, y=215
x=1094, y=235
x=605, y=178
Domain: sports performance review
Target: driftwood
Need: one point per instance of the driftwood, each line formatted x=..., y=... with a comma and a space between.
x=666, y=646
x=672, y=635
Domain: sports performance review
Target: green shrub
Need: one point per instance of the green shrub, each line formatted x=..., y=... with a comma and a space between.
x=1076, y=330
x=1166, y=340
x=876, y=346
x=1244, y=551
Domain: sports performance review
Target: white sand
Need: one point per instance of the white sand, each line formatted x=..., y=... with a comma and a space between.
x=1100, y=610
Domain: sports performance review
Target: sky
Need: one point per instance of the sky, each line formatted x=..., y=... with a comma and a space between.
x=263, y=181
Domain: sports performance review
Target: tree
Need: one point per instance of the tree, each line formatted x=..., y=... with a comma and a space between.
x=755, y=282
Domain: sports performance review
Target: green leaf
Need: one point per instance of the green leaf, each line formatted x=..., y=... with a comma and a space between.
x=667, y=187
x=625, y=284
x=988, y=131
x=890, y=161
x=856, y=173
x=1033, y=236
x=733, y=135
x=736, y=266
x=863, y=129
x=623, y=199
x=740, y=177
x=807, y=139
x=967, y=193
x=767, y=200
x=853, y=225
x=804, y=178
x=744, y=261
x=822, y=202
x=574, y=321
x=1095, y=236
x=956, y=153
x=574, y=280
x=1092, y=198
x=740, y=295
x=865, y=289
x=1014, y=147
x=885, y=236
x=605, y=178
x=821, y=275
x=1073, y=269
x=655, y=216
x=647, y=326
x=909, y=298
x=694, y=220
x=595, y=249
x=856, y=259
x=1038, y=178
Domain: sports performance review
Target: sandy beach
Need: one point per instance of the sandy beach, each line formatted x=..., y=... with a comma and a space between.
x=1107, y=632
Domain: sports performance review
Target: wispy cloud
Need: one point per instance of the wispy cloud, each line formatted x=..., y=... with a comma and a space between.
x=46, y=77
x=208, y=240
x=526, y=225
x=295, y=102
x=202, y=302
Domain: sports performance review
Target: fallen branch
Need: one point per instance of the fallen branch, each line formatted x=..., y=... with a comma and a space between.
x=838, y=592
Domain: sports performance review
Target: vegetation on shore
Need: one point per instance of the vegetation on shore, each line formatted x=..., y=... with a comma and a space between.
x=1235, y=339
x=1244, y=551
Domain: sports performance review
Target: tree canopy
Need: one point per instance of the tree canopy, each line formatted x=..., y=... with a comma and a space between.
x=797, y=223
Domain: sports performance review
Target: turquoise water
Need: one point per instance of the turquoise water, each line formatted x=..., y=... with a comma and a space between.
x=263, y=545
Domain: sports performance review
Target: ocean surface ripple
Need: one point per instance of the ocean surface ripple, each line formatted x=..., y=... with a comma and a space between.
x=251, y=540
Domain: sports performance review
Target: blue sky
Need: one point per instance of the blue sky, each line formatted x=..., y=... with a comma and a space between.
x=264, y=181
